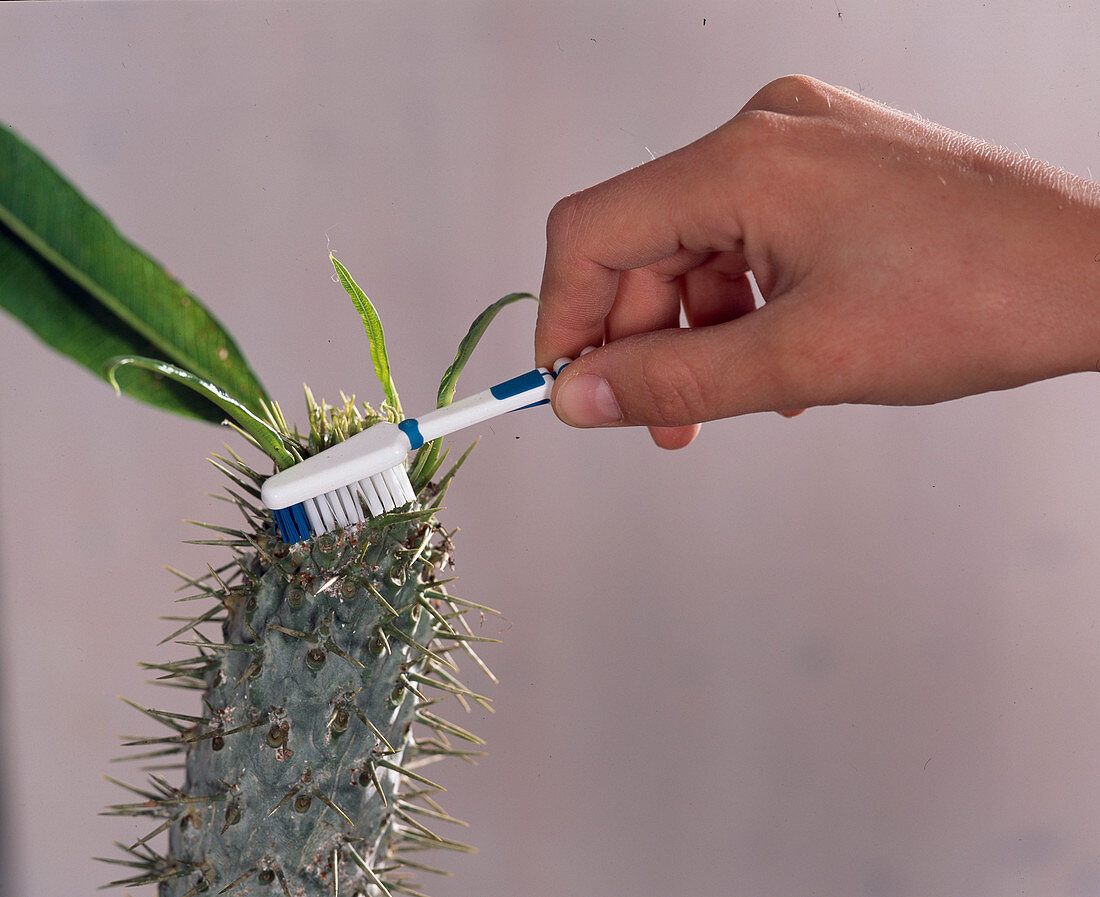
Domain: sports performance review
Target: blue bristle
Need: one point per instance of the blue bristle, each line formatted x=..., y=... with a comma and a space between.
x=293, y=524
x=284, y=523
x=302, y=520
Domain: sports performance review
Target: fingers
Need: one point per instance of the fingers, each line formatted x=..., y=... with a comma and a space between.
x=674, y=437
x=669, y=215
x=644, y=301
x=647, y=300
x=717, y=291
x=591, y=237
x=681, y=377
x=663, y=216
x=668, y=378
x=624, y=256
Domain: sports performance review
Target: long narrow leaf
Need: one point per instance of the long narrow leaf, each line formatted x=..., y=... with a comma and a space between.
x=85, y=290
x=265, y=436
x=428, y=459
x=375, y=334
x=469, y=342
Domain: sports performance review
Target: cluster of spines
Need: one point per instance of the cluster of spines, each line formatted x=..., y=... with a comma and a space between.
x=408, y=808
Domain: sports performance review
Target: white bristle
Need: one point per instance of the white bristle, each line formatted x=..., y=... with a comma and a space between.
x=344, y=505
x=310, y=504
x=406, y=483
x=394, y=484
x=328, y=521
x=374, y=504
x=352, y=507
x=383, y=492
x=341, y=506
x=360, y=502
x=336, y=508
x=357, y=500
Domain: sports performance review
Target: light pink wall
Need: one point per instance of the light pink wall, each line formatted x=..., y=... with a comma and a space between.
x=853, y=654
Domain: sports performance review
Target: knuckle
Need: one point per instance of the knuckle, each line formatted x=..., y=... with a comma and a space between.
x=794, y=95
x=563, y=217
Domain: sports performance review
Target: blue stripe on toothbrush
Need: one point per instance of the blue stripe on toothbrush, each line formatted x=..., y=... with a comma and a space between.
x=410, y=426
x=522, y=383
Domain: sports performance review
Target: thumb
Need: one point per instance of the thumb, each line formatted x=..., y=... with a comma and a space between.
x=675, y=377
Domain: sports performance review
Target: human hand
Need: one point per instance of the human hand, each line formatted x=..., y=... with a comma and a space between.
x=901, y=263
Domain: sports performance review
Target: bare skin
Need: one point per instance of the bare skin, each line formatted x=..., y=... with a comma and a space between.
x=901, y=263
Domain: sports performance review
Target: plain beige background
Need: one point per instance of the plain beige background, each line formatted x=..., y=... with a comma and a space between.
x=852, y=654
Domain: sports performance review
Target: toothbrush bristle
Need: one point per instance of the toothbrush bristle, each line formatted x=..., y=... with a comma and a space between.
x=354, y=503
x=292, y=523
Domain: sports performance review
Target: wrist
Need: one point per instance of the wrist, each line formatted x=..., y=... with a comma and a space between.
x=1072, y=272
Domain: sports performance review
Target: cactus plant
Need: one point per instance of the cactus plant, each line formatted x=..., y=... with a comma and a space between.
x=321, y=666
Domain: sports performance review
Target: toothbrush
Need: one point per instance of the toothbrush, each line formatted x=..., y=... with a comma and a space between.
x=330, y=489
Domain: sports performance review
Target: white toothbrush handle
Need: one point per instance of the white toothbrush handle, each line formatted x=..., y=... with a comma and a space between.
x=532, y=388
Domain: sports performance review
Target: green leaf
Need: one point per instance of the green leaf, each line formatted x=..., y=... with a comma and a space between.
x=266, y=437
x=375, y=334
x=85, y=290
x=428, y=458
x=469, y=342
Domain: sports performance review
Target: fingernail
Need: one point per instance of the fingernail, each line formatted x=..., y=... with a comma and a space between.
x=587, y=401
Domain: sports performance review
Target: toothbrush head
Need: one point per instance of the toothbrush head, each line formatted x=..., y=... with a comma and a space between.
x=361, y=477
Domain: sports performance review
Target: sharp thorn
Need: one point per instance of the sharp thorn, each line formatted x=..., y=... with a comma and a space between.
x=412, y=643
x=167, y=824
x=332, y=806
x=436, y=722
x=435, y=813
x=239, y=879
x=423, y=868
x=408, y=773
x=367, y=871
